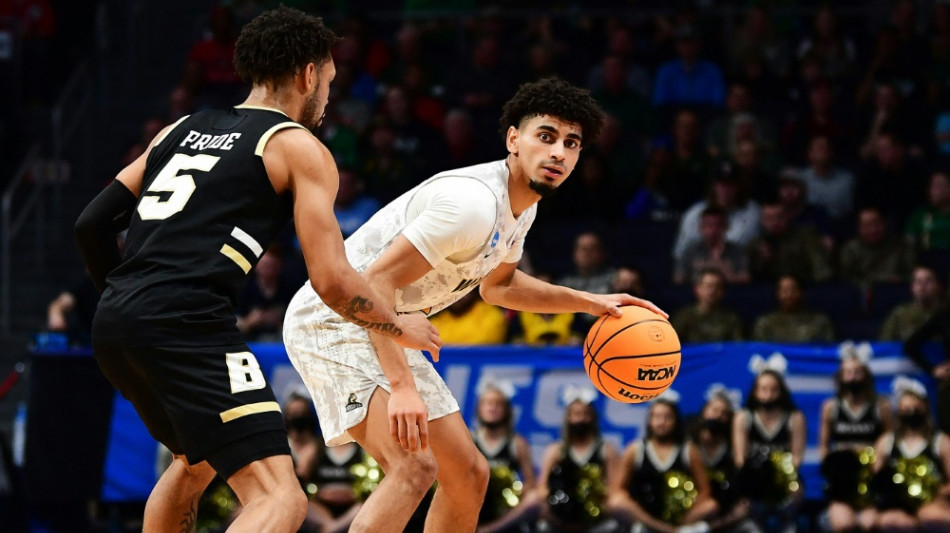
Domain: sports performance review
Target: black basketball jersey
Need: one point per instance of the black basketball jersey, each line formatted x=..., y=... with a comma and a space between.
x=205, y=214
x=859, y=428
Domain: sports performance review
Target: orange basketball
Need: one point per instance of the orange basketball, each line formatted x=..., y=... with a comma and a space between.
x=633, y=358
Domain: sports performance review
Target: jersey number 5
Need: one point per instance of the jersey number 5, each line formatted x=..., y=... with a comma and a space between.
x=181, y=186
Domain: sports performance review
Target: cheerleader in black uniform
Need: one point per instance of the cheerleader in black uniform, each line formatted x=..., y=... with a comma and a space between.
x=917, y=456
x=509, y=460
x=575, y=472
x=649, y=466
x=712, y=437
x=851, y=423
x=767, y=435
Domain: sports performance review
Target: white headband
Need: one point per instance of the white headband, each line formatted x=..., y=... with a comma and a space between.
x=574, y=393
x=902, y=384
x=669, y=396
x=718, y=390
x=776, y=363
x=862, y=351
x=493, y=382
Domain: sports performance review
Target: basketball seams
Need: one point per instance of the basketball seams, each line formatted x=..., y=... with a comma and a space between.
x=625, y=328
x=589, y=342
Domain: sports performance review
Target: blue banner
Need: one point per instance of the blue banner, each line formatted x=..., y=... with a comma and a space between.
x=540, y=376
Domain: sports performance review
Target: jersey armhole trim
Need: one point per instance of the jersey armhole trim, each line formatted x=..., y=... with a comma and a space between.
x=259, y=150
x=162, y=136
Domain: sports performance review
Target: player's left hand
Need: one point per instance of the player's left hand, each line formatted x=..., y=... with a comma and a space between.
x=611, y=303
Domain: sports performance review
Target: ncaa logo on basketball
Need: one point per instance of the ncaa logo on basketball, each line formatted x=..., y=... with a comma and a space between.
x=656, y=334
x=649, y=374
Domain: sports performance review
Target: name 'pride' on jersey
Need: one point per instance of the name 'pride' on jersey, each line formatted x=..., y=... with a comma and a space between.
x=461, y=222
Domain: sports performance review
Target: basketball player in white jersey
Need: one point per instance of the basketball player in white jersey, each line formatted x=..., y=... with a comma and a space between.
x=456, y=231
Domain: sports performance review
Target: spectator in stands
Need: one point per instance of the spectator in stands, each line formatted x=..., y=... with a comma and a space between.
x=755, y=164
x=547, y=329
x=630, y=280
x=324, y=472
x=509, y=459
x=767, y=91
x=887, y=68
x=827, y=186
x=684, y=179
x=622, y=150
x=471, y=321
x=837, y=51
x=459, y=147
x=793, y=194
x=631, y=108
x=261, y=306
x=482, y=85
x=209, y=72
x=770, y=425
x=890, y=115
x=720, y=134
x=640, y=492
x=591, y=273
x=927, y=292
x=351, y=207
x=712, y=436
x=150, y=128
x=792, y=322
x=939, y=68
x=851, y=422
x=621, y=43
x=874, y=256
x=707, y=320
x=786, y=250
x=757, y=34
x=823, y=119
x=713, y=251
x=34, y=40
x=938, y=325
x=688, y=80
x=415, y=140
x=387, y=172
x=913, y=438
x=928, y=227
x=727, y=193
x=577, y=470
x=72, y=310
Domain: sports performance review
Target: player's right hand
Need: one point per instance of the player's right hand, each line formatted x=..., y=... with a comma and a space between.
x=408, y=419
x=419, y=334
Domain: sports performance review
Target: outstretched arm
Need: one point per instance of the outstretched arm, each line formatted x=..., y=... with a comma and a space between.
x=511, y=288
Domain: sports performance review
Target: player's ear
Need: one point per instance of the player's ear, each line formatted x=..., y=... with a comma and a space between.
x=512, y=138
x=306, y=78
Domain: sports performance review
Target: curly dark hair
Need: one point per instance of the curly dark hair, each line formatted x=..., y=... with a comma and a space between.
x=555, y=97
x=279, y=43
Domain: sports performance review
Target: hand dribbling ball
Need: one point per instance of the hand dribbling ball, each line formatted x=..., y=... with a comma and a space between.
x=633, y=358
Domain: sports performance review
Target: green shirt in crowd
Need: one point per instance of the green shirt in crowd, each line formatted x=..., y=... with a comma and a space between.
x=903, y=321
x=692, y=325
x=799, y=326
x=929, y=229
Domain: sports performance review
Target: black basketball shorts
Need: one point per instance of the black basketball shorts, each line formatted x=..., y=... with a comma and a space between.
x=210, y=403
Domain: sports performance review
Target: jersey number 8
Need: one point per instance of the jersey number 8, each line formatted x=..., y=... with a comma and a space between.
x=181, y=186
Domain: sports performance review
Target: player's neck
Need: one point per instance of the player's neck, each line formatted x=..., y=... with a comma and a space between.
x=282, y=101
x=520, y=195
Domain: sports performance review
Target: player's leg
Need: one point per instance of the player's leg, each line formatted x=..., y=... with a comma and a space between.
x=271, y=498
x=409, y=475
x=223, y=412
x=463, y=476
x=173, y=501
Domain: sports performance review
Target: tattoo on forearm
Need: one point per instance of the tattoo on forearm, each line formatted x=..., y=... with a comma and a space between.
x=191, y=515
x=359, y=304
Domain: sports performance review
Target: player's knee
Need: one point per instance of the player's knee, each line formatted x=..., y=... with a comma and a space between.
x=419, y=470
x=480, y=474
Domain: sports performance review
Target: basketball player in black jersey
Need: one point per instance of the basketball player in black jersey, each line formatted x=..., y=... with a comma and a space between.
x=201, y=205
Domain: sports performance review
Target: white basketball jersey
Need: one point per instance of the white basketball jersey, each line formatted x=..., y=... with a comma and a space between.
x=448, y=281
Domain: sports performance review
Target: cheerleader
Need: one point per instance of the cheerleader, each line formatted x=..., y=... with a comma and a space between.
x=851, y=422
x=913, y=464
x=712, y=438
x=575, y=472
x=509, y=460
x=768, y=437
x=662, y=484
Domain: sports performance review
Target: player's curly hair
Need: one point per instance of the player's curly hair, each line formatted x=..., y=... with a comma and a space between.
x=555, y=97
x=279, y=43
